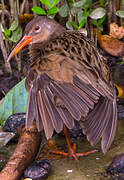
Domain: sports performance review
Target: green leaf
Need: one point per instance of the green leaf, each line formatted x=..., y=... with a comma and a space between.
x=14, y=26
x=75, y=26
x=122, y=2
x=120, y=13
x=53, y=10
x=100, y=21
x=80, y=3
x=80, y=16
x=88, y=4
x=98, y=13
x=94, y=22
x=46, y=2
x=63, y=11
x=54, y=3
x=86, y=13
x=38, y=10
x=16, y=35
x=102, y=2
x=14, y=102
x=100, y=27
x=68, y=25
x=82, y=23
x=7, y=32
x=71, y=2
x=75, y=10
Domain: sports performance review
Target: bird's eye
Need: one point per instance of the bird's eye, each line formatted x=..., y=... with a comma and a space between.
x=37, y=28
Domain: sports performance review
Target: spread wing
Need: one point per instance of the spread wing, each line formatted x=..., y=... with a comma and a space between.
x=67, y=89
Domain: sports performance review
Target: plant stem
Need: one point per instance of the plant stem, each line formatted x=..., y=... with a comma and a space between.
x=4, y=52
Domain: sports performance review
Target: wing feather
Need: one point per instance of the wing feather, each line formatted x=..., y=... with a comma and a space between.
x=55, y=118
x=92, y=93
x=64, y=113
x=47, y=124
x=30, y=114
x=109, y=132
x=66, y=100
x=81, y=97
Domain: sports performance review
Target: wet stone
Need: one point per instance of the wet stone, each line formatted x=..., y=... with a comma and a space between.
x=14, y=121
x=38, y=170
x=116, y=168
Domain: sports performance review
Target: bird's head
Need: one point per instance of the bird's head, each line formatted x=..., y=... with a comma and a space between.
x=39, y=30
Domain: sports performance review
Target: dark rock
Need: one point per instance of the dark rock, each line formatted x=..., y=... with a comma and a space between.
x=38, y=170
x=120, y=109
x=14, y=121
x=116, y=168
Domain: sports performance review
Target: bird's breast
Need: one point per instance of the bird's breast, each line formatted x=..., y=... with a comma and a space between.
x=57, y=67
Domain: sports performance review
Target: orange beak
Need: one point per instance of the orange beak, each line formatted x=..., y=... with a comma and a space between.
x=24, y=41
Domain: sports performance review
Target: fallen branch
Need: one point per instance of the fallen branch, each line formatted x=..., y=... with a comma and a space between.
x=23, y=155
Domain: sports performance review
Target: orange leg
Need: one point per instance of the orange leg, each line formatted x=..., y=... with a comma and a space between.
x=71, y=149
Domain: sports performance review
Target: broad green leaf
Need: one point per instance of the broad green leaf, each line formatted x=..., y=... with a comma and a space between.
x=102, y=2
x=53, y=10
x=68, y=25
x=75, y=26
x=75, y=10
x=46, y=3
x=120, y=13
x=54, y=3
x=38, y=10
x=16, y=35
x=63, y=11
x=7, y=32
x=14, y=25
x=88, y=4
x=98, y=13
x=100, y=21
x=82, y=23
x=15, y=101
x=100, y=27
x=94, y=22
x=86, y=13
x=80, y=3
x=71, y=2
x=80, y=16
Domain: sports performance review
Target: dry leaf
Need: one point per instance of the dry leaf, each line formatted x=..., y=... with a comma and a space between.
x=116, y=31
x=111, y=45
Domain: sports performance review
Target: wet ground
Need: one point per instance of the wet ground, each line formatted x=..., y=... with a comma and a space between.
x=92, y=167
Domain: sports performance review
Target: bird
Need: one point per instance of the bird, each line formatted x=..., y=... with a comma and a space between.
x=67, y=80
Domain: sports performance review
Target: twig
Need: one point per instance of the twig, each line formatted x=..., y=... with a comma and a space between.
x=27, y=7
x=11, y=2
x=23, y=6
x=4, y=52
x=114, y=10
x=35, y=2
x=109, y=12
x=3, y=13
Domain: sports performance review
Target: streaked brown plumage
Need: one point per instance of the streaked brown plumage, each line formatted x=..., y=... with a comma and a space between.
x=67, y=80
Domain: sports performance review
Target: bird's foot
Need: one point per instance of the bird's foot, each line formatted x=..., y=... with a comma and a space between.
x=72, y=152
x=45, y=152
